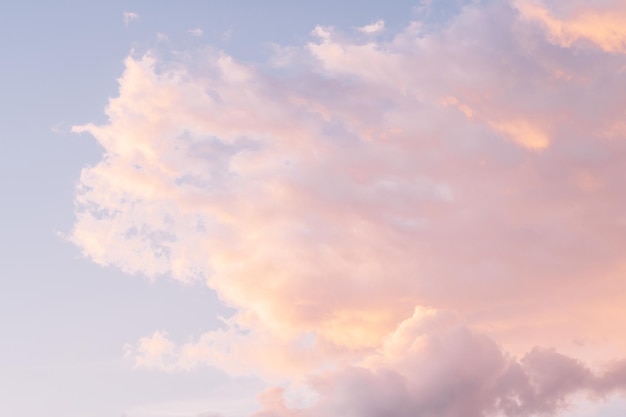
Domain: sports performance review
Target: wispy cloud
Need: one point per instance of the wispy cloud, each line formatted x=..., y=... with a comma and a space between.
x=129, y=17
x=603, y=25
x=196, y=32
x=373, y=27
x=227, y=35
x=469, y=177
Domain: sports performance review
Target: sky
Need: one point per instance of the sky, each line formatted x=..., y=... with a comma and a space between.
x=305, y=209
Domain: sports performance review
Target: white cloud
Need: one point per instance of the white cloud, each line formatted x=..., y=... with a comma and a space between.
x=129, y=17
x=227, y=35
x=375, y=27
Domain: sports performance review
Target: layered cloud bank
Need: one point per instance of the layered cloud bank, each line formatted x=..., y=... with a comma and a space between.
x=389, y=218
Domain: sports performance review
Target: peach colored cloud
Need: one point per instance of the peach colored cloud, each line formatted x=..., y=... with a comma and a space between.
x=476, y=169
x=602, y=24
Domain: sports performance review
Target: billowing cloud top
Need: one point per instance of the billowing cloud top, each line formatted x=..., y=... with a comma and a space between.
x=388, y=218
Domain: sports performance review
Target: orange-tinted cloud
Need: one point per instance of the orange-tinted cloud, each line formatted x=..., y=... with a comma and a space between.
x=602, y=25
x=449, y=169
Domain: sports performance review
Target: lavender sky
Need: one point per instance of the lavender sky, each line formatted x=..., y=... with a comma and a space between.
x=280, y=209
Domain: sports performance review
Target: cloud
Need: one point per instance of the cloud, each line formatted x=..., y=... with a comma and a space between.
x=196, y=32
x=152, y=352
x=129, y=17
x=227, y=35
x=603, y=25
x=375, y=27
x=451, y=371
x=475, y=169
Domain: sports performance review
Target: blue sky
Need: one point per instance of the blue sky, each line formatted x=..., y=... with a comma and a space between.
x=65, y=320
x=83, y=338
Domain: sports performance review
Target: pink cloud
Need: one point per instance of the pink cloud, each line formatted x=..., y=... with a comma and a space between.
x=603, y=25
x=450, y=371
x=476, y=169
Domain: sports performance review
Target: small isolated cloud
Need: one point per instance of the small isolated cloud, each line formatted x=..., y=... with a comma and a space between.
x=227, y=35
x=422, y=8
x=161, y=37
x=421, y=225
x=375, y=27
x=153, y=352
x=60, y=129
x=196, y=32
x=129, y=17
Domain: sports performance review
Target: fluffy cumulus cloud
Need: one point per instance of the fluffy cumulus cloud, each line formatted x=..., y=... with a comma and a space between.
x=406, y=226
x=449, y=371
x=433, y=366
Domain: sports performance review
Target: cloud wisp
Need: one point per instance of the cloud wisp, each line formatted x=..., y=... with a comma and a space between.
x=374, y=27
x=358, y=189
x=129, y=17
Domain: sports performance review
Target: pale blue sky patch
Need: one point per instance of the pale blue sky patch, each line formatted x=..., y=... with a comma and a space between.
x=64, y=320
